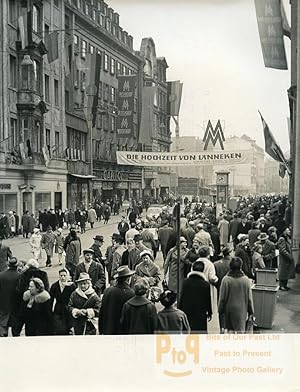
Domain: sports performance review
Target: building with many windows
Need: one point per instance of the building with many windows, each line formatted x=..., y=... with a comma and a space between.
x=29, y=127
x=59, y=114
x=155, y=122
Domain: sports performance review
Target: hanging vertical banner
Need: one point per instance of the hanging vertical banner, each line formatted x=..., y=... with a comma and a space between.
x=269, y=20
x=174, y=97
x=126, y=89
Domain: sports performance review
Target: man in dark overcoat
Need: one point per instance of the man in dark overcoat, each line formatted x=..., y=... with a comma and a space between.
x=112, y=302
x=195, y=299
x=8, y=298
x=94, y=269
x=5, y=255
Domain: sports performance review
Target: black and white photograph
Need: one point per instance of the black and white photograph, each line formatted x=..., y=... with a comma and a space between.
x=149, y=168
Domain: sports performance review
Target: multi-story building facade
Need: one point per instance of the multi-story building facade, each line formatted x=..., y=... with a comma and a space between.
x=29, y=125
x=93, y=27
x=155, y=122
x=50, y=155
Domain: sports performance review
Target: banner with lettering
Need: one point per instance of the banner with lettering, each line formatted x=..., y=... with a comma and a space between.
x=126, y=90
x=182, y=159
x=269, y=20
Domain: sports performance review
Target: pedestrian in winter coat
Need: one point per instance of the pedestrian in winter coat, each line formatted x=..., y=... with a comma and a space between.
x=92, y=216
x=223, y=227
x=171, y=319
x=113, y=300
x=36, y=310
x=59, y=244
x=147, y=269
x=25, y=224
x=84, y=305
x=35, y=243
x=17, y=223
x=71, y=218
x=107, y=213
x=9, y=305
x=189, y=233
x=170, y=266
x=119, y=249
x=257, y=258
x=73, y=251
x=52, y=218
x=123, y=227
x=94, y=269
x=139, y=314
x=32, y=223
x=47, y=243
x=286, y=267
x=82, y=221
x=166, y=238
x=195, y=299
x=268, y=250
x=60, y=293
x=243, y=251
x=60, y=218
x=3, y=226
x=30, y=271
x=96, y=247
x=5, y=255
x=235, y=300
x=11, y=224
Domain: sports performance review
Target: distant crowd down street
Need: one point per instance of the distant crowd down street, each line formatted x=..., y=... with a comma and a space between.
x=122, y=288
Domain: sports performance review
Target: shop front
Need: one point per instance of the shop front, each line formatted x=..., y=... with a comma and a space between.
x=22, y=190
x=115, y=183
x=79, y=190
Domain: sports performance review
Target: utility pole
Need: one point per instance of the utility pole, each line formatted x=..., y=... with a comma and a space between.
x=296, y=157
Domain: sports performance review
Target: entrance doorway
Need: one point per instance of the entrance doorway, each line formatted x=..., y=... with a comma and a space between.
x=57, y=200
x=27, y=202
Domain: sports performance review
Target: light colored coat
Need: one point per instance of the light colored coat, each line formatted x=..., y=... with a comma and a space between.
x=223, y=227
x=92, y=216
x=35, y=243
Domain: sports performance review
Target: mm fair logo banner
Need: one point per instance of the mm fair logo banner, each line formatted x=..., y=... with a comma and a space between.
x=177, y=357
x=213, y=135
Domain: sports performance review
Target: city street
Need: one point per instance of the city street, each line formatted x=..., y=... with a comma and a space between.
x=287, y=314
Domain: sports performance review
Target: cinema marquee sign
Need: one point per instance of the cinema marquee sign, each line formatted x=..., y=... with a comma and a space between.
x=181, y=159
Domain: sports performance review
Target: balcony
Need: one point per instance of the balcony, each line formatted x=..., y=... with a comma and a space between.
x=79, y=167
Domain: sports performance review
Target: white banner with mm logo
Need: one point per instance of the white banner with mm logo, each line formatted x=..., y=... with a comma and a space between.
x=182, y=159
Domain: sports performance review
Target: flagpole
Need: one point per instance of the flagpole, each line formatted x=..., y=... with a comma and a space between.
x=296, y=158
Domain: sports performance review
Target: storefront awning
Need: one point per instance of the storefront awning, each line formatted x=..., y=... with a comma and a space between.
x=85, y=177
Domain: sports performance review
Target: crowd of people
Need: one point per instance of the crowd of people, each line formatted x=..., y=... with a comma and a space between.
x=117, y=290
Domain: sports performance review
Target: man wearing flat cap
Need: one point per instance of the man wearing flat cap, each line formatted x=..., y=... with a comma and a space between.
x=114, y=298
x=84, y=306
x=94, y=269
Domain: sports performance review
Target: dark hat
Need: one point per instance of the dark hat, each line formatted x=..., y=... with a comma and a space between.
x=13, y=261
x=99, y=238
x=115, y=235
x=123, y=271
x=82, y=277
x=88, y=251
x=137, y=237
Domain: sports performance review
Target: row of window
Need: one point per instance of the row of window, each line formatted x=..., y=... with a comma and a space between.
x=47, y=90
x=110, y=64
x=105, y=17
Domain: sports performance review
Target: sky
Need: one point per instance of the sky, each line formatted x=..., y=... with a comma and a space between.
x=213, y=47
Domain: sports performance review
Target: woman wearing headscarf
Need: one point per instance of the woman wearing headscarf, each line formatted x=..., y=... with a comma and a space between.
x=147, y=268
x=235, y=300
x=84, y=305
x=36, y=310
x=60, y=293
